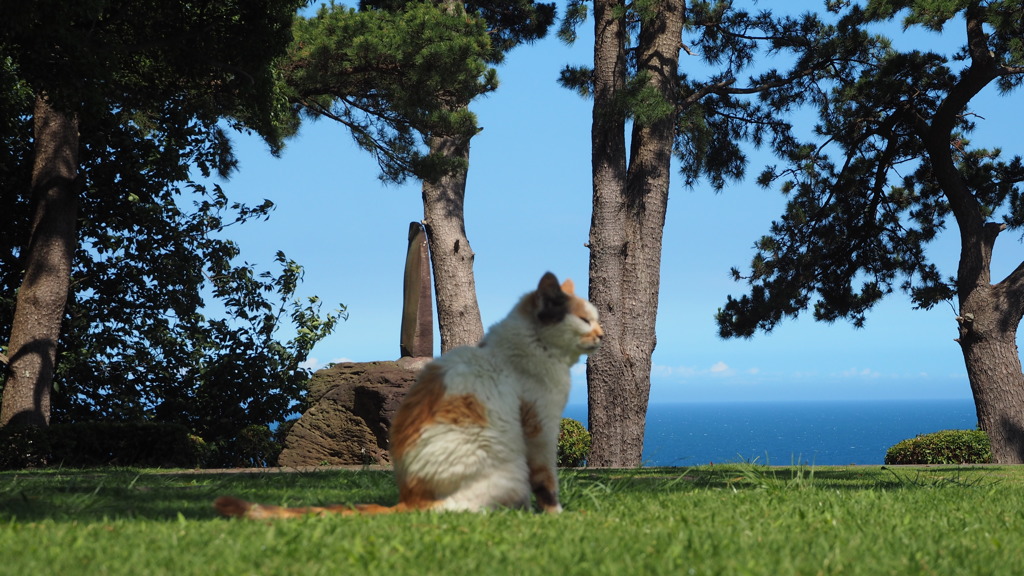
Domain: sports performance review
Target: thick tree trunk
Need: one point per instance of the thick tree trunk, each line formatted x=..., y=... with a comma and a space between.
x=613, y=427
x=989, y=313
x=42, y=297
x=626, y=228
x=451, y=257
x=994, y=370
x=989, y=317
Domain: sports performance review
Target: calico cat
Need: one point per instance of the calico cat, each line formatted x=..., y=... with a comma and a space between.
x=479, y=428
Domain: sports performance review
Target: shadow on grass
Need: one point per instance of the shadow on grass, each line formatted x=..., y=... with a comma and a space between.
x=108, y=494
x=112, y=494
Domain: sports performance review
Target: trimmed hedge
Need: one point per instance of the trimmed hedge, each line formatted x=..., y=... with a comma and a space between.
x=140, y=444
x=88, y=444
x=573, y=444
x=943, y=447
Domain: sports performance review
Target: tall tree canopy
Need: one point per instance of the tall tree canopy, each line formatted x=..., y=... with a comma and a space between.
x=400, y=76
x=145, y=91
x=890, y=165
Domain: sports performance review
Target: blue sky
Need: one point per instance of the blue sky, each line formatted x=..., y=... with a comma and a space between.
x=528, y=211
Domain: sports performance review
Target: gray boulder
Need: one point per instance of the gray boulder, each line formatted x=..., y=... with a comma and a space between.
x=349, y=419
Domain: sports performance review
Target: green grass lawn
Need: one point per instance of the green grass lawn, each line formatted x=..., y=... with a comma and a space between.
x=730, y=520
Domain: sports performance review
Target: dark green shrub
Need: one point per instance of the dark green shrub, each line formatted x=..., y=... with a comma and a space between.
x=24, y=447
x=943, y=447
x=144, y=444
x=573, y=444
x=253, y=447
x=141, y=444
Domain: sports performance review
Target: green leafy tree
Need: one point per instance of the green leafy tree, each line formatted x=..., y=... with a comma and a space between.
x=126, y=100
x=891, y=167
x=400, y=76
x=701, y=110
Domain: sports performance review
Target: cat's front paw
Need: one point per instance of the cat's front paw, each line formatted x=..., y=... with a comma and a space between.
x=555, y=508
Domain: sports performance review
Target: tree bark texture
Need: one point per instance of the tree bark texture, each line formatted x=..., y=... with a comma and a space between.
x=41, y=300
x=630, y=202
x=451, y=257
x=988, y=321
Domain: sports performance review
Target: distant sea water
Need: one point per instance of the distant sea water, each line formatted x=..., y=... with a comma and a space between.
x=784, y=433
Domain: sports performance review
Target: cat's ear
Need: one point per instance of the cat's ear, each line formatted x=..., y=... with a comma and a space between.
x=548, y=283
x=552, y=301
x=568, y=287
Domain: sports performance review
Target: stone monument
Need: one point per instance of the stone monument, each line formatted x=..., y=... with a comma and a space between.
x=351, y=404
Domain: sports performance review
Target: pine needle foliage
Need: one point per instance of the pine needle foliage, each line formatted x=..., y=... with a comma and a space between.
x=397, y=73
x=869, y=189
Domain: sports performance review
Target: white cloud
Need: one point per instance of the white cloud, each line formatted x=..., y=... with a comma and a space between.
x=720, y=368
x=860, y=373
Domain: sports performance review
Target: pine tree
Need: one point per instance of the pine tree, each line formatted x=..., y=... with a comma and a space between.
x=891, y=166
x=699, y=109
x=400, y=76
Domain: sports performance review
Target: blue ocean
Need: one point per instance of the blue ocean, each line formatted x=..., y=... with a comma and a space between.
x=784, y=433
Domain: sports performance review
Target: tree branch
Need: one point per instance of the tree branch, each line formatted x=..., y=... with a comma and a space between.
x=935, y=136
x=377, y=147
x=1013, y=287
x=981, y=71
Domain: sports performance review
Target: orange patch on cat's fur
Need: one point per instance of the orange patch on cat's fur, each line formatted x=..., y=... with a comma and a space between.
x=461, y=410
x=578, y=307
x=530, y=420
x=416, y=410
x=414, y=494
x=427, y=403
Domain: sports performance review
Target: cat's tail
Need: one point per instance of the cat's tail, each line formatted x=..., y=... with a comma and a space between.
x=238, y=508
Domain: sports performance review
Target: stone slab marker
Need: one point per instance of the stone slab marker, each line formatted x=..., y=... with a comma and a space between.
x=352, y=404
x=417, y=338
